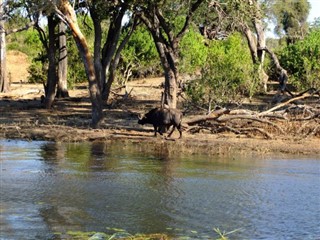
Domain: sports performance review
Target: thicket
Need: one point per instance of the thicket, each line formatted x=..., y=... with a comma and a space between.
x=302, y=60
x=227, y=74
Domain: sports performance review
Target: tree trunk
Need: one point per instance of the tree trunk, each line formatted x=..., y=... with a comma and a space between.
x=100, y=76
x=282, y=73
x=168, y=61
x=115, y=62
x=167, y=44
x=256, y=54
x=4, y=81
x=68, y=14
x=261, y=43
x=110, y=50
x=170, y=88
x=52, y=75
x=62, y=90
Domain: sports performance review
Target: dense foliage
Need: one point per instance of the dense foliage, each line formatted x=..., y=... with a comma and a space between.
x=27, y=42
x=140, y=55
x=226, y=74
x=193, y=52
x=291, y=16
x=302, y=60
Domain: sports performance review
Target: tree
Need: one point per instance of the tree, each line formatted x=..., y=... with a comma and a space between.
x=159, y=17
x=302, y=59
x=248, y=19
x=50, y=88
x=9, y=10
x=226, y=74
x=4, y=83
x=245, y=16
x=291, y=18
x=106, y=58
x=67, y=14
x=62, y=88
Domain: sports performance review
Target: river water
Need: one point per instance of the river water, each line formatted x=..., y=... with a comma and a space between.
x=50, y=189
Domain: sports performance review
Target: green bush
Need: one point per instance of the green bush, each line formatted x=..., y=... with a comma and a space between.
x=37, y=72
x=302, y=60
x=27, y=42
x=193, y=52
x=227, y=74
x=140, y=54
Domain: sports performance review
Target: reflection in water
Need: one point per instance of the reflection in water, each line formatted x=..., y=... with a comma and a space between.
x=53, y=187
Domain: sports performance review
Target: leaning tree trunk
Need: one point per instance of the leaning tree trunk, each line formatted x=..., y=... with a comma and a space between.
x=52, y=75
x=4, y=82
x=67, y=13
x=261, y=43
x=282, y=73
x=62, y=90
x=256, y=54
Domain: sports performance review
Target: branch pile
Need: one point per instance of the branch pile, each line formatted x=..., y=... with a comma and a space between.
x=298, y=117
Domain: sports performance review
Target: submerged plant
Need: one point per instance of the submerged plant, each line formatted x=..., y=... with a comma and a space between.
x=223, y=234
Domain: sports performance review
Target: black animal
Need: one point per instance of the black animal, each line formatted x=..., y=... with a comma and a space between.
x=162, y=119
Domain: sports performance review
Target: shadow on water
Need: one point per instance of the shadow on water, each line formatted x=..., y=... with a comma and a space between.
x=56, y=188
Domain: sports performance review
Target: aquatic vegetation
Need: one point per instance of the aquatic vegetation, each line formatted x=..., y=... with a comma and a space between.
x=223, y=235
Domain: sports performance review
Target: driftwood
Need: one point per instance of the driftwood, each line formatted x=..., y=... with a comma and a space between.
x=283, y=104
x=276, y=121
x=252, y=118
x=214, y=115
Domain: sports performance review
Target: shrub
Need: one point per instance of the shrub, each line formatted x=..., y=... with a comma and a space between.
x=227, y=74
x=37, y=72
x=302, y=60
x=140, y=55
x=193, y=52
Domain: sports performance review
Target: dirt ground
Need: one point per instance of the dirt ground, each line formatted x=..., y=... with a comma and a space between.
x=23, y=117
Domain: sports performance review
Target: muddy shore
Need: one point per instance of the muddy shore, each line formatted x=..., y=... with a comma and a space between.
x=22, y=117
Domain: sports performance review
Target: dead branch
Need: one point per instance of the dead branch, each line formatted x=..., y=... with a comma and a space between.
x=277, y=116
x=283, y=104
x=242, y=112
x=26, y=27
x=124, y=96
x=253, y=118
x=311, y=91
x=311, y=133
x=266, y=134
x=231, y=129
x=213, y=116
x=119, y=88
x=317, y=115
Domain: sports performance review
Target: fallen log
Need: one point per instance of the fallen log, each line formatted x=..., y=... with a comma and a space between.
x=263, y=132
x=214, y=115
x=283, y=104
x=253, y=118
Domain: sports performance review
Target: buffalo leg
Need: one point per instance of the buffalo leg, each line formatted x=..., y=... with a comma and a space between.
x=155, y=131
x=180, y=130
x=174, y=127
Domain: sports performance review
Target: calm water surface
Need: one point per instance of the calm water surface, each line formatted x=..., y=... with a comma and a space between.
x=49, y=188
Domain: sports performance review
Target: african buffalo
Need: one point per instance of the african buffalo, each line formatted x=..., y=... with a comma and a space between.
x=162, y=119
